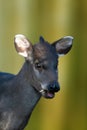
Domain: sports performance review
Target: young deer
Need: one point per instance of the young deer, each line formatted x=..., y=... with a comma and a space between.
x=38, y=77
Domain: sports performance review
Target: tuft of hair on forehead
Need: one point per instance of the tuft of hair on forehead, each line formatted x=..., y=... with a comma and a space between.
x=43, y=49
x=41, y=39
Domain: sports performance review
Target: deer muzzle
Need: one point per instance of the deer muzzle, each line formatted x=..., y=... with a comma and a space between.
x=50, y=90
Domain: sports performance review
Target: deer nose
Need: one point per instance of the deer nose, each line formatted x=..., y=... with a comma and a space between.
x=54, y=86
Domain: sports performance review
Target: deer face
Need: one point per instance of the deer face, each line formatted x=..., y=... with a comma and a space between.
x=44, y=61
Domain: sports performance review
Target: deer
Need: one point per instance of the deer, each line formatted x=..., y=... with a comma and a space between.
x=37, y=78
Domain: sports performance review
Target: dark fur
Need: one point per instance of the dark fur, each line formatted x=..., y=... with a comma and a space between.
x=20, y=93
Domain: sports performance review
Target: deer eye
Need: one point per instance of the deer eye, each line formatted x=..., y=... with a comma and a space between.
x=38, y=66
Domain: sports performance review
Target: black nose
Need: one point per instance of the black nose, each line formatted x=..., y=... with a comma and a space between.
x=54, y=86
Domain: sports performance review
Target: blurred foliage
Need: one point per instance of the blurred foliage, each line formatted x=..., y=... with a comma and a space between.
x=51, y=19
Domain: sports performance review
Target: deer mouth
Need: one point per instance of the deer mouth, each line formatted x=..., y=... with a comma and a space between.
x=49, y=90
x=47, y=94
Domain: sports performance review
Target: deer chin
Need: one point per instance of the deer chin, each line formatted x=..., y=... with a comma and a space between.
x=47, y=94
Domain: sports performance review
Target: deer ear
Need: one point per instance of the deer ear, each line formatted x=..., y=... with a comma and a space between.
x=22, y=45
x=63, y=45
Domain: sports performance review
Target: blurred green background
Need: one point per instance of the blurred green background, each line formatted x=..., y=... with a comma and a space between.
x=52, y=19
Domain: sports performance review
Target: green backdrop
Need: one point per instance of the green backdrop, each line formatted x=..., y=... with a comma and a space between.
x=52, y=19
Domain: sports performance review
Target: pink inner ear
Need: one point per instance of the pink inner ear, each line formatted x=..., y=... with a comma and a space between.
x=63, y=45
x=21, y=41
x=62, y=52
x=22, y=45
